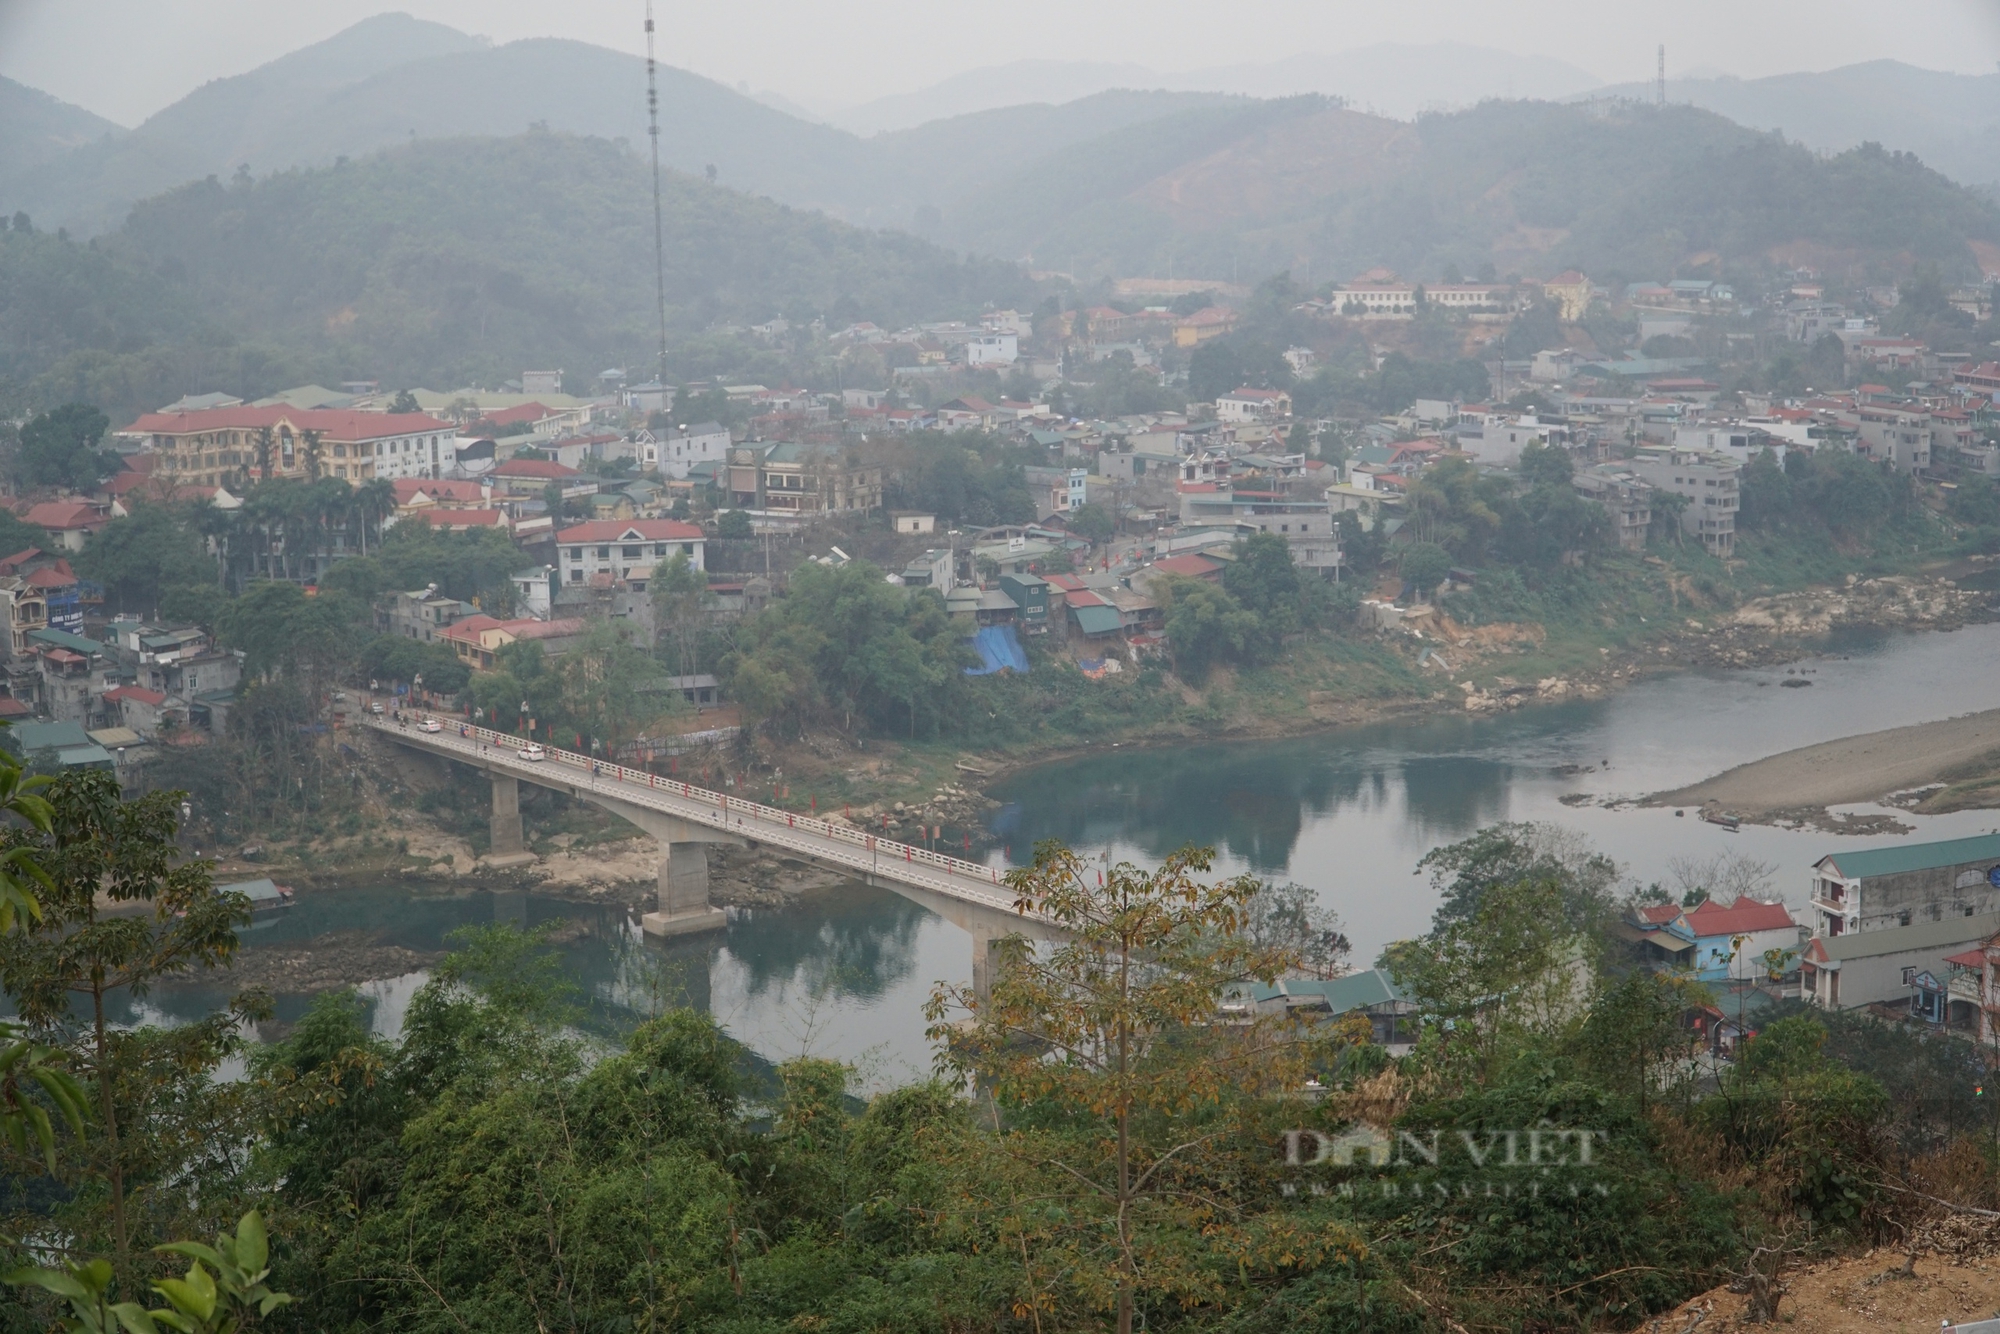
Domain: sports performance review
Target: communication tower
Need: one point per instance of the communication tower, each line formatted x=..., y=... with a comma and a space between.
x=659, y=226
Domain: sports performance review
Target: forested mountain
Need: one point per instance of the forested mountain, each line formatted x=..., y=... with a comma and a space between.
x=392, y=79
x=1620, y=189
x=1951, y=121
x=224, y=123
x=445, y=262
x=35, y=127
x=1388, y=78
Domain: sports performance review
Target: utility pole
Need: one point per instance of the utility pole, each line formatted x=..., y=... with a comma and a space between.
x=659, y=226
x=1661, y=96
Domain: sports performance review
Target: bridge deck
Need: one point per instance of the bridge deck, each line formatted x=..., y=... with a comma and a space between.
x=832, y=842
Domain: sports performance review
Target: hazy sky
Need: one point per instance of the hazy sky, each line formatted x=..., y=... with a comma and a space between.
x=127, y=58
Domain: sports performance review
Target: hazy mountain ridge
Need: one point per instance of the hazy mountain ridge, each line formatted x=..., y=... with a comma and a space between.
x=40, y=127
x=1532, y=187
x=1951, y=121
x=441, y=262
x=1395, y=79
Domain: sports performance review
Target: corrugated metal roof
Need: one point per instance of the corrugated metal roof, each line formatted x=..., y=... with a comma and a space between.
x=1897, y=939
x=1096, y=620
x=1904, y=857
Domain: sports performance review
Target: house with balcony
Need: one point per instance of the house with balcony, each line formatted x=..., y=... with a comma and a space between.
x=1875, y=889
x=624, y=551
x=1711, y=483
x=1624, y=497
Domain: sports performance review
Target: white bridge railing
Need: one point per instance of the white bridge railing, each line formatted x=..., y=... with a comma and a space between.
x=827, y=840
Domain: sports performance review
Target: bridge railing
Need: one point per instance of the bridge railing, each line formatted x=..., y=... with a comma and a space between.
x=871, y=848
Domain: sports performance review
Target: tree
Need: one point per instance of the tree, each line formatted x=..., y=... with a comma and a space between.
x=1976, y=501
x=404, y=401
x=1668, y=506
x=1092, y=521
x=1765, y=492
x=1121, y=1086
x=1264, y=579
x=1545, y=465
x=309, y=452
x=680, y=596
x=1463, y=873
x=266, y=446
x=1424, y=565
x=734, y=525
x=138, y=556
x=1206, y=627
x=374, y=501
x=61, y=448
x=99, y=852
x=1512, y=973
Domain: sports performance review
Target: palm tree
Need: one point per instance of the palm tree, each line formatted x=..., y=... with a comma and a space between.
x=374, y=501
x=309, y=447
x=266, y=444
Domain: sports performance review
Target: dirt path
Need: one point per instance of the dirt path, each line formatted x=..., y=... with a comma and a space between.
x=1853, y=769
x=1855, y=1296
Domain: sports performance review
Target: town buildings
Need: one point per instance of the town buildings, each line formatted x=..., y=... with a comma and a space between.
x=1710, y=483
x=620, y=551
x=232, y=446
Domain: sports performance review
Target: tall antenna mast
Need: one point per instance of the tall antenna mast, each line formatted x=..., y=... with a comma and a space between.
x=659, y=226
x=1661, y=97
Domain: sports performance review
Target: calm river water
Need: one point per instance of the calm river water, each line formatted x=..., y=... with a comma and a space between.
x=1348, y=813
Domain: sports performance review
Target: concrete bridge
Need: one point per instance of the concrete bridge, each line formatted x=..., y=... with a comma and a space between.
x=686, y=819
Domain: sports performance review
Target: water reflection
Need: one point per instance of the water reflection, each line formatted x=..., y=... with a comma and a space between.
x=845, y=974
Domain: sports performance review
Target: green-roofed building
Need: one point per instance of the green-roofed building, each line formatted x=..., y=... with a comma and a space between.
x=67, y=742
x=1373, y=994
x=1905, y=884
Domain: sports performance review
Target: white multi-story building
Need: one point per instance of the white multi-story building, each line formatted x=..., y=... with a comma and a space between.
x=992, y=349
x=624, y=551
x=1710, y=483
x=680, y=448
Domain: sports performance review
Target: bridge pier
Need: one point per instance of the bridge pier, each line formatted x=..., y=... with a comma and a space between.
x=684, y=905
x=985, y=964
x=510, y=846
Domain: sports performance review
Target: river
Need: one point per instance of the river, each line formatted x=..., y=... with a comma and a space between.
x=1348, y=813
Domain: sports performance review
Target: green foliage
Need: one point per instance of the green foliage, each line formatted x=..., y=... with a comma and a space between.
x=1206, y=627
x=1976, y=501
x=448, y=261
x=845, y=646
x=1092, y=521
x=399, y=659
x=734, y=525
x=967, y=478
x=1424, y=566
x=1465, y=872
x=62, y=448
x=138, y=557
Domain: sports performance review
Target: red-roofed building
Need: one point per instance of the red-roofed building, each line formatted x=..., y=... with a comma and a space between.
x=478, y=639
x=415, y=493
x=1191, y=566
x=1734, y=941
x=70, y=523
x=460, y=521
x=625, y=550
x=1985, y=377
x=141, y=709
x=227, y=446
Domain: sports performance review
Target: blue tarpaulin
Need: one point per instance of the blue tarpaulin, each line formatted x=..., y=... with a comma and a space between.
x=997, y=648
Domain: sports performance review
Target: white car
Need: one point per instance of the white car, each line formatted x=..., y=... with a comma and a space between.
x=430, y=725
x=375, y=707
x=531, y=751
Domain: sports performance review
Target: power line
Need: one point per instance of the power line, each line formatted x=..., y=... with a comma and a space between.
x=659, y=225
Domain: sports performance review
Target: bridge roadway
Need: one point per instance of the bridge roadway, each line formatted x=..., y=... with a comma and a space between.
x=684, y=816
